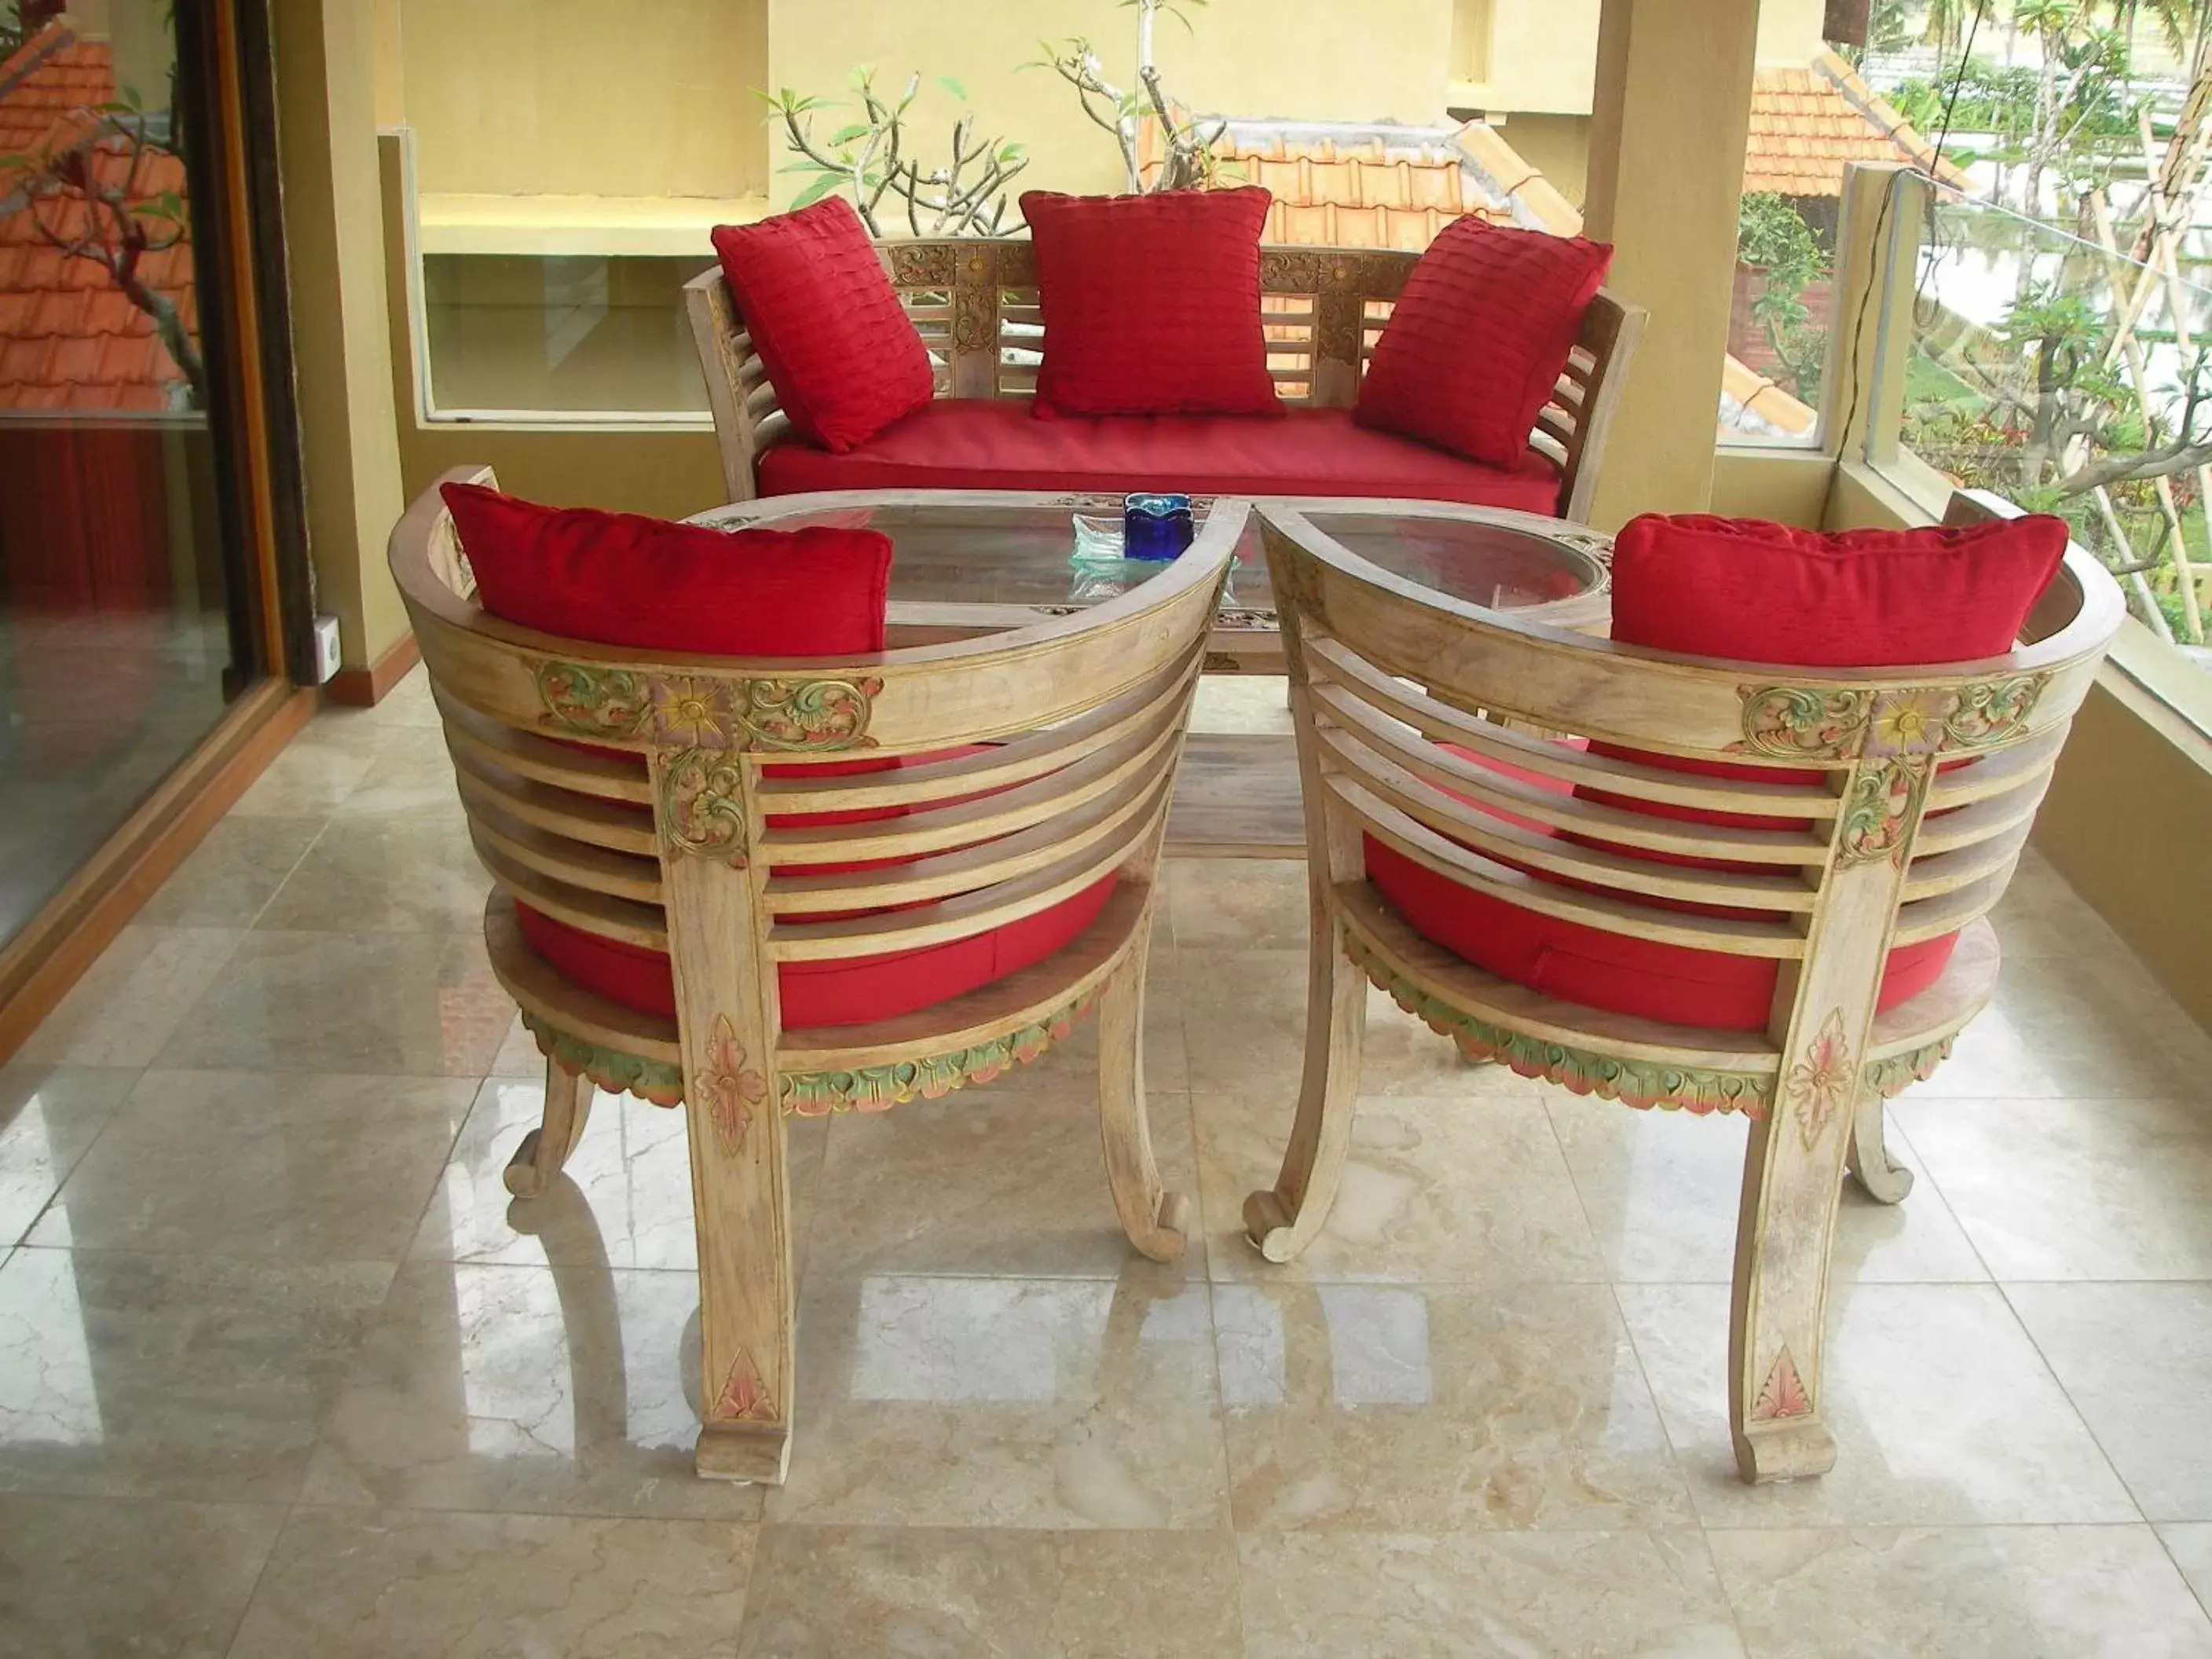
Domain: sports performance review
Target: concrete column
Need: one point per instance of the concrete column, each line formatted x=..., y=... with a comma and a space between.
x=1673, y=111
x=334, y=235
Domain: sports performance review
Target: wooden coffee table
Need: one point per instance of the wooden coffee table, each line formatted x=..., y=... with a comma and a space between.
x=976, y=561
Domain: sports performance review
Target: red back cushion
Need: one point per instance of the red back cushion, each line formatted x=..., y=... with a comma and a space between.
x=1152, y=303
x=1857, y=598
x=622, y=579
x=1477, y=339
x=840, y=351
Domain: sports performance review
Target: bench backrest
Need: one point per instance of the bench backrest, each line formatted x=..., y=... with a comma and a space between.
x=974, y=300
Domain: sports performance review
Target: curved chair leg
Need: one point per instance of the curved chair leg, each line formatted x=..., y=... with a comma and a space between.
x=1154, y=1218
x=1884, y=1181
x=1282, y=1220
x=545, y=1149
x=1792, y=1185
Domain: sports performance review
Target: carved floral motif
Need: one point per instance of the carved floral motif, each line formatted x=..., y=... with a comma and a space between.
x=1897, y=1073
x=1820, y=1085
x=923, y=265
x=595, y=702
x=703, y=711
x=1880, y=804
x=1585, y=1071
x=701, y=806
x=731, y=1088
x=1782, y=1396
x=1800, y=723
x=744, y=1397
x=1794, y=723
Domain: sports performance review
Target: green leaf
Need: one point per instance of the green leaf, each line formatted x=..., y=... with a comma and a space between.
x=809, y=166
x=1013, y=152
x=951, y=84
x=815, y=192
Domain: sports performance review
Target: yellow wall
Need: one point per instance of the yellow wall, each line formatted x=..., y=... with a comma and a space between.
x=1542, y=57
x=334, y=231
x=1322, y=60
x=580, y=97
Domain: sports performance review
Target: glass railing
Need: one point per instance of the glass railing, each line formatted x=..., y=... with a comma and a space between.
x=2058, y=371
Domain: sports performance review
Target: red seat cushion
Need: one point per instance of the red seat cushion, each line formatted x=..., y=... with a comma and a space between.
x=621, y=578
x=840, y=351
x=1151, y=303
x=981, y=443
x=1741, y=590
x=1477, y=339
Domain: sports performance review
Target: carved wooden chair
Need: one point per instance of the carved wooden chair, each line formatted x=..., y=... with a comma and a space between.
x=975, y=301
x=677, y=804
x=1903, y=844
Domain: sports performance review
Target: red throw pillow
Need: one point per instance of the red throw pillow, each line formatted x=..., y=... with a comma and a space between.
x=1152, y=303
x=841, y=352
x=1858, y=599
x=621, y=578
x=1477, y=339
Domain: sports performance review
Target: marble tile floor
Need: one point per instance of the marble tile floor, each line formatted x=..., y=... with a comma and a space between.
x=283, y=1372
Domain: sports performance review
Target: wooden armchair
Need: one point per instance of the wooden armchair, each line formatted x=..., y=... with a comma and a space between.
x=1904, y=843
x=677, y=804
x=974, y=300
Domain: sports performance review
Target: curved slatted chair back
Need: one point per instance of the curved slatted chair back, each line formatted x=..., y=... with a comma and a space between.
x=746, y=817
x=975, y=301
x=1918, y=787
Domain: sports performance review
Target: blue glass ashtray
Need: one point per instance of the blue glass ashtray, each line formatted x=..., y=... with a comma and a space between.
x=1156, y=527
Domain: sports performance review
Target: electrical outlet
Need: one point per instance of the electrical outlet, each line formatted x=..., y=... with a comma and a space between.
x=326, y=649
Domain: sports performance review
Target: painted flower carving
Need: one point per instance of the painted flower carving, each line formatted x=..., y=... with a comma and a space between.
x=691, y=714
x=1910, y=722
x=1877, y=810
x=1819, y=1085
x=1783, y=1395
x=744, y=1396
x=730, y=1089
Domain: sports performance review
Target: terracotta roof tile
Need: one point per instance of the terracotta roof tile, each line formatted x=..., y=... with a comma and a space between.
x=1808, y=124
x=68, y=338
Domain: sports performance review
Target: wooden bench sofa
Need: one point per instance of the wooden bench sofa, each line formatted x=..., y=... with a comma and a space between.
x=975, y=301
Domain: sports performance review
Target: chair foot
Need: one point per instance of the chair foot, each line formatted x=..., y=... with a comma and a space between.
x=1154, y=1219
x=1168, y=1236
x=1268, y=1225
x=1789, y=1452
x=744, y=1451
x=1867, y=1157
x=544, y=1151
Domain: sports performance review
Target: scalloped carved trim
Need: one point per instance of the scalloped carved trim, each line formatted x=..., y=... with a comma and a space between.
x=610, y=1069
x=1795, y=722
x=1899, y=1072
x=879, y=1088
x=1584, y=1072
x=817, y=1094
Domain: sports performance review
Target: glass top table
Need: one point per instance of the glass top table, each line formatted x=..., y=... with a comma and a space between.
x=968, y=560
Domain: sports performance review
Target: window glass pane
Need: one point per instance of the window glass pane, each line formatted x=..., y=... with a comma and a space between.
x=122, y=631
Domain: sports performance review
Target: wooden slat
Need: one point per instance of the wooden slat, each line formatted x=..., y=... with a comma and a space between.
x=1473, y=828
x=1507, y=794
x=618, y=875
x=1000, y=767
x=1005, y=859
x=579, y=818
x=1440, y=723
x=1945, y=872
x=966, y=914
x=1992, y=815
x=540, y=759
x=640, y=925
x=1470, y=869
x=1148, y=748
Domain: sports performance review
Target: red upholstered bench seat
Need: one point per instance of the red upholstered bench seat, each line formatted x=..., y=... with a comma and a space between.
x=978, y=443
